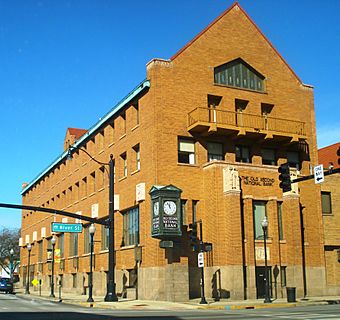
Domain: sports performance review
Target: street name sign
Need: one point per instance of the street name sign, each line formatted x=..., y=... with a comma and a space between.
x=318, y=174
x=67, y=227
x=200, y=260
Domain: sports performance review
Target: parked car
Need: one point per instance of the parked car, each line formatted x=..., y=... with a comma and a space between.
x=6, y=285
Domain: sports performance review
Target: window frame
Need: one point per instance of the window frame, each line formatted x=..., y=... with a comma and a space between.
x=215, y=156
x=267, y=161
x=242, y=158
x=184, y=156
x=329, y=194
x=131, y=221
x=257, y=221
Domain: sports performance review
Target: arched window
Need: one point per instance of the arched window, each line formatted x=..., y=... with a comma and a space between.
x=238, y=73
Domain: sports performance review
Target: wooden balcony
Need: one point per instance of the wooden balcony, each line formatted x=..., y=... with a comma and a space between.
x=209, y=121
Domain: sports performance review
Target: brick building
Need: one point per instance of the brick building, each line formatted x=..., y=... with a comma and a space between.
x=213, y=122
x=330, y=200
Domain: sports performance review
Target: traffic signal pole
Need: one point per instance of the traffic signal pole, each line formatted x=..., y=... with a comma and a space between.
x=327, y=173
x=203, y=300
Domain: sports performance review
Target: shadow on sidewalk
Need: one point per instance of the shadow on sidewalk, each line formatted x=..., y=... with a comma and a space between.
x=73, y=316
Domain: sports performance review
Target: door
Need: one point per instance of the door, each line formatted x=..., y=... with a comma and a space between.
x=261, y=283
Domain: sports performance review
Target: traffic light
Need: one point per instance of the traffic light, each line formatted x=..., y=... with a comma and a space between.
x=284, y=177
x=338, y=153
x=194, y=241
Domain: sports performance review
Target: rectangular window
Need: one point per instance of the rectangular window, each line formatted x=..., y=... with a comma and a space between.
x=186, y=151
x=87, y=240
x=268, y=157
x=73, y=244
x=215, y=151
x=183, y=211
x=137, y=154
x=105, y=238
x=279, y=219
x=293, y=159
x=124, y=162
x=259, y=211
x=283, y=276
x=131, y=227
x=242, y=154
x=326, y=202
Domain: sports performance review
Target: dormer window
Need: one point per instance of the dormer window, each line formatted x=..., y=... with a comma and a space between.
x=239, y=74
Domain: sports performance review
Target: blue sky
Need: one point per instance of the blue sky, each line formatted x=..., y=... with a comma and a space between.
x=66, y=63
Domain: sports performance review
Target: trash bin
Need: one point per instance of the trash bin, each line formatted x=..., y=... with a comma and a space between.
x=291, y=294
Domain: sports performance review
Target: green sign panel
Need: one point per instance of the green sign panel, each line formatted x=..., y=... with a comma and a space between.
x=67, y=227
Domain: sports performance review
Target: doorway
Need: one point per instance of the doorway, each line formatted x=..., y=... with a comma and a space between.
x=261, y=283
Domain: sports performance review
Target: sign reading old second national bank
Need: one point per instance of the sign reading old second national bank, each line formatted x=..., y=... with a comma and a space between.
x=166, y=211
x=258, y=181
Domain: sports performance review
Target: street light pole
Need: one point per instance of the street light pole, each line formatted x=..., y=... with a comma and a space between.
x=111, y=294
x=11, y=265
x=265, y=228
x=29, y=248
x=111, y=285
x=53, y=241
x=203, y=300
x=92, y=230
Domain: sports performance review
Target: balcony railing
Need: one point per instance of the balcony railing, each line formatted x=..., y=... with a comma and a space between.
x=235, y=120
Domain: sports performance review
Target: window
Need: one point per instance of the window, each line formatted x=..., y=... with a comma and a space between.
x=186, y=151
x=259, y=211
x=279, y=219
x=238, y=73
x=183, y=211
x=87, y=240
x=293, y=159
x=283, y=276
x=137, y=154
x=73, y=244
x=242, y=154
x=326, y=202
x=105, y=238
x=131, y=227
x=124, y=161
x=215, y=151
x=268, y=157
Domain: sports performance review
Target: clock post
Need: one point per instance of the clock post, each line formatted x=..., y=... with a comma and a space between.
x=165, y=212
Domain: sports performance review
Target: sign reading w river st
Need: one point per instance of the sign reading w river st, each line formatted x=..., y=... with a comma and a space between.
x=67, y=227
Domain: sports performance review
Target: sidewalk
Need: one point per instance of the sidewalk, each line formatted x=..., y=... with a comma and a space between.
x=71, y=298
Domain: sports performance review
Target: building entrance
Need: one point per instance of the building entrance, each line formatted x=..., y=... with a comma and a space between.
x=260, y=281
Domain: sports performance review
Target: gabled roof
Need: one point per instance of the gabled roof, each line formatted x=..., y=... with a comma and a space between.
x=236, y=4
x=144, y=85
x=327, y=155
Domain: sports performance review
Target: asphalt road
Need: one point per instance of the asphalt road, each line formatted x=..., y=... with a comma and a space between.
x=30, y=308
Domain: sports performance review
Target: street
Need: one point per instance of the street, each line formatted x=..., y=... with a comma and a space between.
x=31, y=308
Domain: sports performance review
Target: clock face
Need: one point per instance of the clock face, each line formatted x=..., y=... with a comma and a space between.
x=169, y=207
x=156, y=208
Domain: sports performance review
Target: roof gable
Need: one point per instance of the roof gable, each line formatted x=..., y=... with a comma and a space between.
x=238, y=8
